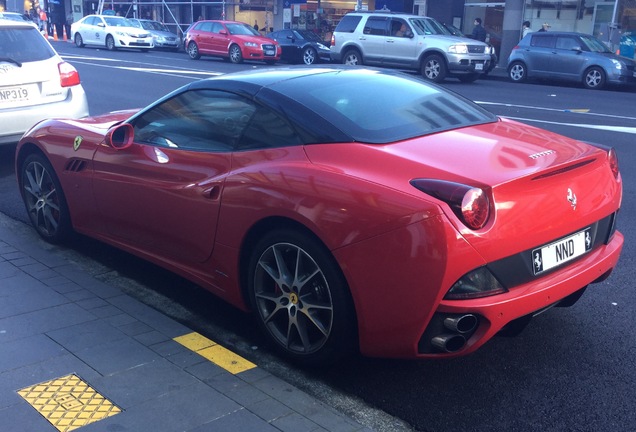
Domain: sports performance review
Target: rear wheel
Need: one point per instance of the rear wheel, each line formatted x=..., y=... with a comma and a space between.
x=235, y=54
x=518, y=72
x=110, y=43
x=193, y=51
x=309, y=56
x=79, y=42
x=352, y=57
x=44, y=199
x=594, y=78
x=301, y=298
x=434, y=68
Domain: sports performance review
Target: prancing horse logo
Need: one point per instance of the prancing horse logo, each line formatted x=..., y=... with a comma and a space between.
x=572, y=199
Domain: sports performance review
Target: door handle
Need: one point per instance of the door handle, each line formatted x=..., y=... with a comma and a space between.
x=212, y=192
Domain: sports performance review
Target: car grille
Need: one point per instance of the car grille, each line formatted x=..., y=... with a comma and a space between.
x=476, y=49
x=269, y=48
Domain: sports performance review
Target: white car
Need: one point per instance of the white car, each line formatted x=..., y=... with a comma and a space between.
x=111, y=32
x=14, y=16
x=35, y=83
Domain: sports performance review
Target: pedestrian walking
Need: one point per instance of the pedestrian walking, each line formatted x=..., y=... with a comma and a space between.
x=525, y=29
x=545, y=27
x=479, y=32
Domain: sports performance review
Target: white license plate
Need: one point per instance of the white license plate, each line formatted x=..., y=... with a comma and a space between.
x=561, y=251
x=270, y=53
x=479, y=66
x=140, y=41
x=10, y=95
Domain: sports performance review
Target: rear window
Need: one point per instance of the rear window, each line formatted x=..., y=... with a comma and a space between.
x=348, y=24
x=23, y=44
x=373, y=107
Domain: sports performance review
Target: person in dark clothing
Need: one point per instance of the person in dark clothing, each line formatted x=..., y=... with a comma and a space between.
x=479, y=32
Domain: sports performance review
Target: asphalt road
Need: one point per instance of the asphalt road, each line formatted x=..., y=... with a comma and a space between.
x=572, y=369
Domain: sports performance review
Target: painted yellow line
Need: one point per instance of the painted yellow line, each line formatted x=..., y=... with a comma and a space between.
x=68, y=403
x=214, y=352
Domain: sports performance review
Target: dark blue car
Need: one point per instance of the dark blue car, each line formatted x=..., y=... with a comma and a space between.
x=301, y=46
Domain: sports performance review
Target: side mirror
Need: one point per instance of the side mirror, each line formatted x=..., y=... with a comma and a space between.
x=121, y=136
x=223, y=32
x=102, y=25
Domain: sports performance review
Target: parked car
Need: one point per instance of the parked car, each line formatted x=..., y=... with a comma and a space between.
x=348, y=208
x=14, y=16
x=231, y=40
x=408, y=42
x=569, y=56
x=110, y=31
x=161, y=35
x=301, y=46
x=35, y=82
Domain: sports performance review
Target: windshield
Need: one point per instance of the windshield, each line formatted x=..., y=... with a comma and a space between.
x=428, y=26
x=242, y=29
x=154, y=25
x=595, y=45
x=309, y=35
x=118, y=22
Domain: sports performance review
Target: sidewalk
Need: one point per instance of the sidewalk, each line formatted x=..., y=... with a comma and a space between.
x=78, y=353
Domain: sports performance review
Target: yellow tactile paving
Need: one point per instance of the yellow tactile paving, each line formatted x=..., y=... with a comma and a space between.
x=214, y=352
x=68, y=402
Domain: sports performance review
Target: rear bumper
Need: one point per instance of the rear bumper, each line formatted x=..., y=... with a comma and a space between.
x=19, y=120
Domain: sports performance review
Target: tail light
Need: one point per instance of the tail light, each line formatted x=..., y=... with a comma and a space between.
x=68, y=75
x=470, y=204
x=613, y=162
x=333, y=40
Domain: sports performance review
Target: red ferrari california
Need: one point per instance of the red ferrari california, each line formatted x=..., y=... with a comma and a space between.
x=349, y=209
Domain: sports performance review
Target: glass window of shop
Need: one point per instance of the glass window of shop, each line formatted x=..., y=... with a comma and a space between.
x=323, y=16
x=257, y=13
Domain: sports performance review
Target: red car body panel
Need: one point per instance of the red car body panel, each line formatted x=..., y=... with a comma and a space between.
x=192, y=212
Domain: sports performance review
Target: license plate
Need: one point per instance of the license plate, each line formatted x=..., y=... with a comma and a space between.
x=140, y=41
x=270, y=52
x=561, y=251
x=479, y=66
x=9, y=95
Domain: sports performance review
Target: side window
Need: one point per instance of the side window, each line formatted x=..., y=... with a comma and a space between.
x=92, y=21
x=348, y=24
x=543, y=41
x=199, y=120
x=205, y=26
x=376, y=26
x=268, y=130
x=567, y=43
x=216, y=28
x=399, y=28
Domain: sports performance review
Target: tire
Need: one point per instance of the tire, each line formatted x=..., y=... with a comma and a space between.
x=594, y=78
x=44, y=199
x=468, y=78
x=517, y=72
x=235, y=55
x=309, y=56
x=300, y=298
x=193, y=51
x=352, y=57
x=110, y=43
x=79, y=42
x=434, y=68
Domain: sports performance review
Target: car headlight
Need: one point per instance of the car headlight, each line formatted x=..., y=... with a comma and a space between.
x=475, y=284
x=458, y=49
x=251, y=44
x=490, y=50
x=617, y=64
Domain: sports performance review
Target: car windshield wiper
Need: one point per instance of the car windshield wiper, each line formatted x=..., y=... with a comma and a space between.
x=10, y=60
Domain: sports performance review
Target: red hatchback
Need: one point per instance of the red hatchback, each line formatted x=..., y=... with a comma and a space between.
x=231, y=40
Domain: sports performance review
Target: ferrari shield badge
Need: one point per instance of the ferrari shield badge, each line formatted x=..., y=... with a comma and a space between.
x=77, y=142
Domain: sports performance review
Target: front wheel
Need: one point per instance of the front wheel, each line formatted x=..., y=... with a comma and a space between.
x=301, y=298
x=79, y=42
x=235, y=55
x=434, y=68
x=110, y=43
x=518, y=72
x=44, y=199
x=594, y=78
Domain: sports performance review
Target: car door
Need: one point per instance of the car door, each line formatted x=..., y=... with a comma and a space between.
x=540, y=55
x=289, y=49
x=570, y=59
x=401, y=44
x=202, y=35
x=374, y=36
x=90, y=30
x=220, y=40
x=163, y=193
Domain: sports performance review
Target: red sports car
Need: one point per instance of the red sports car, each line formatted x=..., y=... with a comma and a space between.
x=231, y=40
x=347, y=208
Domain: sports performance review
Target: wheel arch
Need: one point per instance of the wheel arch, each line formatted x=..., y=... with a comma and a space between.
x=27, y=149
x=427, y=53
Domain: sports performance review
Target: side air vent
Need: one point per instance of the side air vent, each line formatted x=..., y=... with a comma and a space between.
x=75, y=165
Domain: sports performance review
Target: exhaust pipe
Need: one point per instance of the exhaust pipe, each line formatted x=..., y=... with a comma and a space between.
x=449, y=342
x=461, y=324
